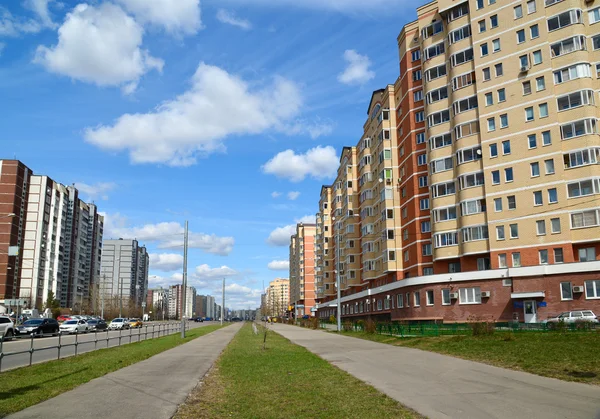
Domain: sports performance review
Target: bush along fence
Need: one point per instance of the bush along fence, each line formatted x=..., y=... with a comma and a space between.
x=472, y=328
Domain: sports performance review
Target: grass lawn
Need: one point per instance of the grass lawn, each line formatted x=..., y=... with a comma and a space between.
x=567, y=356
x=284, y=381
x=27, y=386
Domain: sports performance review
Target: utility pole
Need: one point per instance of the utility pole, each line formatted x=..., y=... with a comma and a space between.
x=120, y=294
x=184, y=285
x=223, y=303
x=339, y=307
x=104, y=289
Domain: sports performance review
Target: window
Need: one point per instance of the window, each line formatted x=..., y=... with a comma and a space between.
x=494, y=21
x=493, y=150
x=464, y=105
x=529, y=114
x=459, y=34
x=500, y=233
x=505, y=147
x=444, y=214
x=481, y=24
x=566, y=291
x=543, y=110
x=499, y=70
x=433, y=29
x=537, y=57
x=582, y=188
x=437, y=95
x=495, y=177
x=429, y=297
x=588, y=254
x=466, y=129
x=471, y=234
x=470, y=295
x=540, y=83
x=443, y=189
x=454, y=267
x=400, y=300
x=537, y=198
x=549, y=165
x=508, y=174
x=524, y=60
x=416, y=55
x=440, y=141
x=516, y=259
x=531, y=141
x=594, y=15
x=526, y=88
x=438, y=118
x=567, y=18
x=489, y=99
x=420, y=138
x=555, y=225
x=422, y=159
x=514, y=231
x=546, y=138
x=441, y=165
x=498, y=204
x=581, y=157
x=491, y=123
x=426, y=227
x=573, y=72
x=496, y=45
x=552, y=196
x=462, y=57
x=472, y=207
x=434, y=51
x=531, y=6
x=416, y=75
x=596, y=43
x=417, y=299
x=558, y=255
x=406, y=256
x=446, y=297
x=577, y=128
x=424, y=204
x=471, y=180
x=484, y=49
x=521, y=36
x=436, y=72
x=423, y=181
x=446, y=239
x=504, y=120
x=419, y=116
x=535, y=169
x=566, y=46
x=543, y=255
x=534, y=31
x=426, y=249
x=518, y=12
x=540, y=227
x=502, y=260
x=483, y=264
x=462, y=81
x=418, y=96
x=408, y=299
x=468, y=154
x=511, y=202
x=487, y=75
x=575, y=99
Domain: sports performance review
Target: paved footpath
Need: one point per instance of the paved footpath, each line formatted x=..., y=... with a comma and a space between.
x=150, y=389
x=440, y=386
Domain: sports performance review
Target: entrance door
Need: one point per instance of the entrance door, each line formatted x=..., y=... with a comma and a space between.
x=530, y=309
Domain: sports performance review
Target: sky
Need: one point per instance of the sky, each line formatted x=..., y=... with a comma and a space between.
x=230, y=114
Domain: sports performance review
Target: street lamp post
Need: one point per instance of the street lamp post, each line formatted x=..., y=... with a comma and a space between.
x=339, y=306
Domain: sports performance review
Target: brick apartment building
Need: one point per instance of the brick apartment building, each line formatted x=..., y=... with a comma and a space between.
x=302, y=270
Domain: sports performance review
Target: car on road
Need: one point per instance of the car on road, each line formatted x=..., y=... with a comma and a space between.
x=97, y=325
x=62, y=318
x=74, y=326
x=198, y=319
x=118, y=323
x=574, y=317
x=39, y=327
x=208, y=319
x=7, y=327
x=135, y=323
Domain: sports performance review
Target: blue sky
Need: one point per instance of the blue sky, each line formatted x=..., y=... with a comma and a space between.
x=228, y=113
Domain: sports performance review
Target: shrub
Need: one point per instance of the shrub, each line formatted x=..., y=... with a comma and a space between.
x=508, y=337
x=332, y=319
x=347, y=326
x=481, y=327
x=370, y=326
x=313, y=322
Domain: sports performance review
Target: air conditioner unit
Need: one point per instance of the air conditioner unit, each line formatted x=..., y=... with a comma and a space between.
x=454, y=296
x=486, y=294
x=524, y=68
x=388, y=181
x=578, y=289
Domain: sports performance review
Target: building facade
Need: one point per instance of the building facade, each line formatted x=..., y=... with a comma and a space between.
x=302, y=269
x=496, y=113
x=175, y=302
x=277, y=297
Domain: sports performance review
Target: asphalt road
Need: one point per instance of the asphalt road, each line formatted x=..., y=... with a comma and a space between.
x=46, y=348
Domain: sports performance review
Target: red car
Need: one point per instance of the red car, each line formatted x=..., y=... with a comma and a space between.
x=62, y=318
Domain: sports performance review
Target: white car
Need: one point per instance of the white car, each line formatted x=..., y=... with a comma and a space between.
x=74, y=326
x=574, y=317
x=118, y=323
x=7, y=327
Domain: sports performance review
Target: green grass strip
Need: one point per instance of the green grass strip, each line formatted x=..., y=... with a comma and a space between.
x=283, y=381
x=24, y=387
x=567, y=356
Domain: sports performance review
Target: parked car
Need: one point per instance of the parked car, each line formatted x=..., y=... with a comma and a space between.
x=198, y=319
x=118, y=323
x=74, y=326
x=208, y=319
x=38, y=327
x=62, y=318
x=97, y=324
x=7, y=327
x=135, y=323
x=574, y=316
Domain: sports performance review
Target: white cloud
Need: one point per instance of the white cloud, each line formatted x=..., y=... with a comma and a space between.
x=15, y=26
x=155, y=281
x=357, y=71
x=175, y=16
x=279, y=265
x=166, y=262
x=96, y=191
x=319, y=162
x=275, y=194
x=293, y=195
x=167, y=235
x=194, y=123
x=206, y=273
x=40, y=8
x=225, y=16
x=281, y=235
x=240, y=290
x=99, y=45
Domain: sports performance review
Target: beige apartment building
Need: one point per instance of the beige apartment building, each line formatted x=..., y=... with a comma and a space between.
x=496, y=119
x=302, y=270
x=277, y=297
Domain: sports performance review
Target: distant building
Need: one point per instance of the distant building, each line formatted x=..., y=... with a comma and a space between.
x=302, y=269
x=175, y=299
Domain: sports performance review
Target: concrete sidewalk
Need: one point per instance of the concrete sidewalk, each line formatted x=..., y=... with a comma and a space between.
x=153, y=388
x=440, y=386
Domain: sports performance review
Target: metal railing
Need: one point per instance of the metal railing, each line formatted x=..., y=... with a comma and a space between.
x=144, y=333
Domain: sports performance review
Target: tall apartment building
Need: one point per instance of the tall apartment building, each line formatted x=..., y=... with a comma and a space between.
x=324, y=251
x=497, y=148
x=124, y=272
x=157, y=301
x=302, y=269
x=278, y=297
x=175, y=301
x=201, y=305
